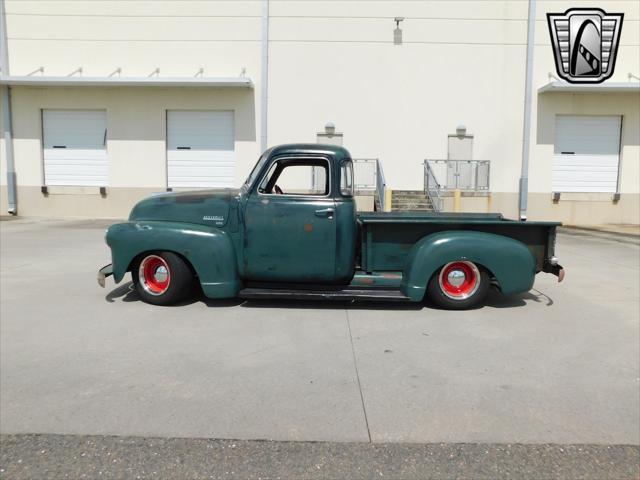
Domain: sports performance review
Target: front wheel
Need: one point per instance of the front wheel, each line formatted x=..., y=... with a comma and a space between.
x=162, y=278
x=458, y=286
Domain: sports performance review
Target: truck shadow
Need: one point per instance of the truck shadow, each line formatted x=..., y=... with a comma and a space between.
x=126, y=293
x=496, y=299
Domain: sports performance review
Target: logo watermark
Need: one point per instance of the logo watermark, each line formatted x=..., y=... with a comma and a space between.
x=585, y=43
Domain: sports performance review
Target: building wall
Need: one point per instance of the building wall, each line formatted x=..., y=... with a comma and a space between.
x=178, y=37
x=460, y=62
x=136, y=143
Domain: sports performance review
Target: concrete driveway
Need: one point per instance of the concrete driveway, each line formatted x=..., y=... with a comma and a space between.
x=557, y=365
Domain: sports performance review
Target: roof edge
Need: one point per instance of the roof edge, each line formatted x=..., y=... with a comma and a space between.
x=57, y=81
x=611, y=87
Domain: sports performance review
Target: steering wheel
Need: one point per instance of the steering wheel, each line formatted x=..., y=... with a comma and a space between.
x=278, y=190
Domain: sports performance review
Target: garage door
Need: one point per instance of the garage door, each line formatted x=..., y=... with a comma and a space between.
x=200, y=149
x=75, y=151
x=586, y=153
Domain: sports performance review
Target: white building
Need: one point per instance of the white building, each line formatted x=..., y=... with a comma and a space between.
x=137, y=97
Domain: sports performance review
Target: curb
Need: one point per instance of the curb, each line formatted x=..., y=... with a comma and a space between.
x=623, y=237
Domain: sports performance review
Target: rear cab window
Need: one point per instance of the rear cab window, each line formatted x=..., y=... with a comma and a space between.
x=346, y=179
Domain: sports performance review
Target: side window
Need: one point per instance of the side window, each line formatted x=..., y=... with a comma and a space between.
x=297, y=177
x=346, y=179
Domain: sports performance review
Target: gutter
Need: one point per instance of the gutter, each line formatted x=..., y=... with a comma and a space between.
x=526, y=128
x=264, y=76
x=8, y=151
x=12, y=199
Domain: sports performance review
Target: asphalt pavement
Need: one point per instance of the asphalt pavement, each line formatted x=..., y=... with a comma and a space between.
x=557, y=366
x=78, y=457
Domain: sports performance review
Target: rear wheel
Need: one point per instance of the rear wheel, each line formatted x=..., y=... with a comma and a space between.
x=162, y=278
x=459, y=285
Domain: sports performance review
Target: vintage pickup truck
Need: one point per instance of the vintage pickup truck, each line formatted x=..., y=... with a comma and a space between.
x=292, y=232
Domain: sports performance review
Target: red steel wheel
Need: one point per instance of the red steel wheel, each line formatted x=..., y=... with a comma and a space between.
x=162, y=278
x=154, y=275
x=459, y=280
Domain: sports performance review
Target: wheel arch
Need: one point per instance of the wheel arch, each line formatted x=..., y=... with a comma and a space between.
x=208, y=251
x=507, y=260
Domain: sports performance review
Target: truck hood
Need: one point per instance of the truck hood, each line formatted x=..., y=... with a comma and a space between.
x=205, y=207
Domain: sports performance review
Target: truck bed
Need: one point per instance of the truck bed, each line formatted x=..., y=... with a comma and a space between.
x=387, y=237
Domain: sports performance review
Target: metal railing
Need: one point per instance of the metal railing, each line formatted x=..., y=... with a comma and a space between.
x=466, y=175
x=369, y=177
x=432, y=188
x=381, y=185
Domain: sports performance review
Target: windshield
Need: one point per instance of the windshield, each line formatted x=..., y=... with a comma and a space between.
x=256, y=171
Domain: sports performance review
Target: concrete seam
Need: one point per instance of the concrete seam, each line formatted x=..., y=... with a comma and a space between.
x=355, y=366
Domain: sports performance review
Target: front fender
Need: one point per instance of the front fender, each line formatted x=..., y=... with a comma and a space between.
x=209, y=250
x=509, y=260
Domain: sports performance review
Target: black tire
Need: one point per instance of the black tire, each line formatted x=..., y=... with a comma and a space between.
x=174, y=290
x=463, y=300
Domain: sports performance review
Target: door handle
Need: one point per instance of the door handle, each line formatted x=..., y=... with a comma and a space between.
x=325, y=212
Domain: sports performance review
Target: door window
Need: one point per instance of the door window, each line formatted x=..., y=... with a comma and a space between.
x=297, y=177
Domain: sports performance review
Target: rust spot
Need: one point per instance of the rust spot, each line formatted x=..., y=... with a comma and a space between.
x=308, y=227
x=366, y=281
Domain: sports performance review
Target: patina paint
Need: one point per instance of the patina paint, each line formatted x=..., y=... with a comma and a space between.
x=509, y=260
x=233, y=237
x=286, y=241
x=210, y=251
x=205, y=207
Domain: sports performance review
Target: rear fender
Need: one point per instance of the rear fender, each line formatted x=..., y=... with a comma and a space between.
x=209, y=250
x=509, y=260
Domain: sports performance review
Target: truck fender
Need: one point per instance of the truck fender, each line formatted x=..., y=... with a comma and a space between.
x=209, y=250
x=509, y=260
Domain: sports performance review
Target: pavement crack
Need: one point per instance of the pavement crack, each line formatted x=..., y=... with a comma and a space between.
x=355, y=366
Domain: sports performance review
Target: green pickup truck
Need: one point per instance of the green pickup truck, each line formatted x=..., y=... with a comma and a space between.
x=292, y=232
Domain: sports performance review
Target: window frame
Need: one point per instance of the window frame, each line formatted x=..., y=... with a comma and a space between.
x=343, y=164
x=293, y=195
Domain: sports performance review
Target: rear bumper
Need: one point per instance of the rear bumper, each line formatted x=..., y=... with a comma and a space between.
x=556, y=270
x=103, y=273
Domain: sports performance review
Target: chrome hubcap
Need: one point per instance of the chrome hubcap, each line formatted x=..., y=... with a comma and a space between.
x=456, y=277
x=161, y=274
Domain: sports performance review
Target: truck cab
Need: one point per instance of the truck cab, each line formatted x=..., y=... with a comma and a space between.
x=300, y=217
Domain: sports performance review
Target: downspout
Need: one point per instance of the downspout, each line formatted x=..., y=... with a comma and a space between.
x=264, y=76
x=6, y=117
x=526, y=129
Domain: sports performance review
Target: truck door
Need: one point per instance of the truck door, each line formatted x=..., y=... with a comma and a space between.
x=290, y=227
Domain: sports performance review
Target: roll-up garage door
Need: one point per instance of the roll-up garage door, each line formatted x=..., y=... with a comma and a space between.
x=75, y=151
x=586, y=153
x=200, y=149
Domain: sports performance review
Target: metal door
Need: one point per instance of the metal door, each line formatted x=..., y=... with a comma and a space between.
x=200, y=149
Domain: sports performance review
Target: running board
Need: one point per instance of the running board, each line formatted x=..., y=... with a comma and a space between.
x=347, y=294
